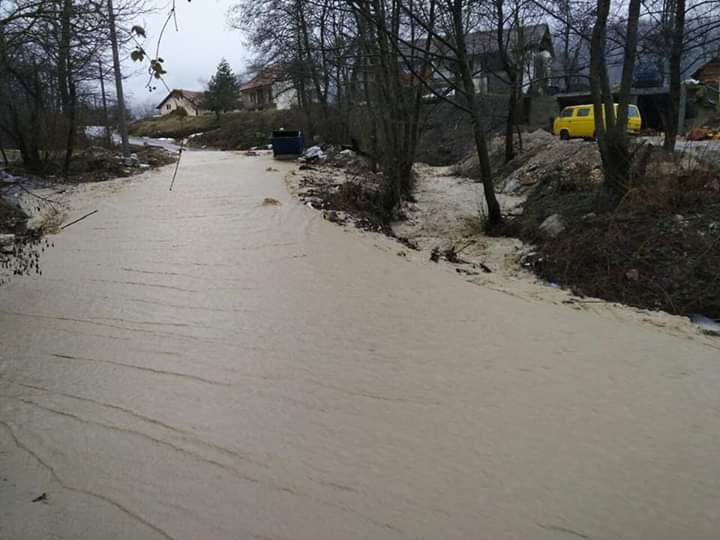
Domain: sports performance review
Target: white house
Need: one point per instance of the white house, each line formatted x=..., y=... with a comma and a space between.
x=189, y=100
x=267, y=91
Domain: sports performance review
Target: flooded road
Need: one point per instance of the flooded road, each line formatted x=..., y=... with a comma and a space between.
x=195, y=364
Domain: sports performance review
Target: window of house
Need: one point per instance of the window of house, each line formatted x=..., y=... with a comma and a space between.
x=168, y=106
x=585, y=111
x=566, y=113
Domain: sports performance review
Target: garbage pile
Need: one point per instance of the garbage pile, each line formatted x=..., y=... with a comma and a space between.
x=328, y=154
x=339, y=181
x=703, y=134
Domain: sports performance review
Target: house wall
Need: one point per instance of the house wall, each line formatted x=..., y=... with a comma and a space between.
x=285, y=96
x=710, y=73
x=257, y=98
x=174, y=102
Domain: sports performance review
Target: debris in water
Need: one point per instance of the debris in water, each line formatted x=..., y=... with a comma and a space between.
x=709, y=327
x=41, y=498
x=269, y=201
x=79, y=219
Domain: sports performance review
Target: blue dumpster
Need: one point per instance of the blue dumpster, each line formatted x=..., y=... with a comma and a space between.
x=287, y=144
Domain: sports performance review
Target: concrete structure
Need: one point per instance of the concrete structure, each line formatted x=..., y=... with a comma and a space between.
x=189, y=100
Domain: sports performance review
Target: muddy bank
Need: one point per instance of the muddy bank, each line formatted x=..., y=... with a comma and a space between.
x=345, y=189
x=34, y=208
x=658, y=251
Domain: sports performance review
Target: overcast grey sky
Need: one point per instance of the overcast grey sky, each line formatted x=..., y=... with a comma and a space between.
x=192, y=54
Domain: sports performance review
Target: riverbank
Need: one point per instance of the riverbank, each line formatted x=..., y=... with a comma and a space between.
x=657, y=247
x=33, y=208
x=231, y=131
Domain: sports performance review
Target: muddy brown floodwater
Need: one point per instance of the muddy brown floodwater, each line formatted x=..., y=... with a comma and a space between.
x=198, y=365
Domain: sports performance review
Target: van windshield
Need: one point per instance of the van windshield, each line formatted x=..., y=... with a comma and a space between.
x=566, y=112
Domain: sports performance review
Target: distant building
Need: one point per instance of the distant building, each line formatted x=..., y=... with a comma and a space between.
x=189, y=100
x=267, y=91
x=709, y=73
x=530, y=45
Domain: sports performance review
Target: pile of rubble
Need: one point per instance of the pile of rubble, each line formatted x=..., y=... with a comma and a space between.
x=703, y=134
x=340, y=182
x=538, y=155
x=96, y=163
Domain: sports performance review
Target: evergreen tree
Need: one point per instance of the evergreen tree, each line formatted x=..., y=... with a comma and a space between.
x=223, y=90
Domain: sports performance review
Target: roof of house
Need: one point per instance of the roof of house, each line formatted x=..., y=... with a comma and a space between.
x=699, y=71
x=532, y=35
x=484, y=43
x=192, y=96
x=261, y=80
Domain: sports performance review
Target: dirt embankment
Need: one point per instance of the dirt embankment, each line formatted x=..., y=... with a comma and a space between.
x=172, y=126
x=232, y=131
x=32, y=206
x=659, y=250
x=344, y=187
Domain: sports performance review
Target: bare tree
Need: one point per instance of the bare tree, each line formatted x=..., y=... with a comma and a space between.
x=611, y=126
x=395, y=99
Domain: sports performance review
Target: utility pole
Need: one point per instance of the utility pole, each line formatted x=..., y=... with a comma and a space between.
x=122, y=119
x=108, y=140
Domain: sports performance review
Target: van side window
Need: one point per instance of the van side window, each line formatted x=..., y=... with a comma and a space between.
x=585, y=111
x=633, y=111
x=566, y=113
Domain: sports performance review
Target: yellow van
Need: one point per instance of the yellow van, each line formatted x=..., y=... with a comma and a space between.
x=579, y=121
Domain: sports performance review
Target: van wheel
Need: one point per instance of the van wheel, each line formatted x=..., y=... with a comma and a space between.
x=565, y=135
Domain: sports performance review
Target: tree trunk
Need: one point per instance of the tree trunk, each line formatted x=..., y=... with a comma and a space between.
x=122, y=115
x=66, y=84
x=494, y=217
x=6, y=161
x=106, y=120
x=612, y=133
x=72, y=128
x=511, y=121
x=676, y=50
